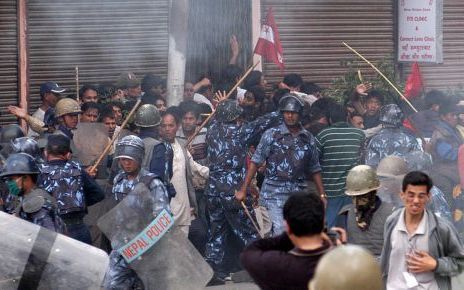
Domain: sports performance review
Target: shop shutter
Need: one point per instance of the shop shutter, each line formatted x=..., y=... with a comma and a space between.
x=312, y=33
x=103, y=37
x=211, y=23
x=9, y=58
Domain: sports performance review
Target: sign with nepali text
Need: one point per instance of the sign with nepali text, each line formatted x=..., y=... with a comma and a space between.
x=420, y=31
x=148, y=237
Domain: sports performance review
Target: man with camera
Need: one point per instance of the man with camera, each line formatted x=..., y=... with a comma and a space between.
x=288, y=261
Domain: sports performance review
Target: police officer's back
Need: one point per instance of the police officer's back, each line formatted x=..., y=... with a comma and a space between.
x=70, y=185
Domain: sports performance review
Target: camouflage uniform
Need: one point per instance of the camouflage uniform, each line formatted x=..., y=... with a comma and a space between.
x=119, y=274
x=290, y=160
x=393, y=139
x=39, y=207
x=227, y=149
x=69, y=184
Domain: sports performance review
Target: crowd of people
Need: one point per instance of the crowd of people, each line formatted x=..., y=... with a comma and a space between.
x=278, y=176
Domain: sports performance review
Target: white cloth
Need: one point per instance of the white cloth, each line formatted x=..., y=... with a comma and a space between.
x=180, y=204
x=199, y=98
x=404, y=243
x=240, y=94
x=310, y=99
x=39, y=114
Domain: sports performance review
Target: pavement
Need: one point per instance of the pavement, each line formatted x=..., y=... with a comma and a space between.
x=234, y=286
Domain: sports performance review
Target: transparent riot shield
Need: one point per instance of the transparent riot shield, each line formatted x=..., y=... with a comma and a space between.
x=171, y=262
x=390, y=189
x=36, y=258
x=90, y=140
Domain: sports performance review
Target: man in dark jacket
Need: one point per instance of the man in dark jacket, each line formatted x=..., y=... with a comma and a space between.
x=288, y=261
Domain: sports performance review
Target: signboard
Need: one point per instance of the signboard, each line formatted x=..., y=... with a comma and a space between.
x=420, y=31
x=148, y=237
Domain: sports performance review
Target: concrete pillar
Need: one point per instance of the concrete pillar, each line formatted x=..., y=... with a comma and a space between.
x=178, y=33
x=256, y=30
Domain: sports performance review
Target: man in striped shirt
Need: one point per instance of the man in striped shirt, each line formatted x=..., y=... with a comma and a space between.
x=339, y=148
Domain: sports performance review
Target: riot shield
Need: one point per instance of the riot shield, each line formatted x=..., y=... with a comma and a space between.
x=390, y=189
x=36, y=258
x=90, y=140
x=171, y=262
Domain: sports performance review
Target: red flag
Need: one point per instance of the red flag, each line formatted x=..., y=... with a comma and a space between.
x=414, y=84
x=268, y=44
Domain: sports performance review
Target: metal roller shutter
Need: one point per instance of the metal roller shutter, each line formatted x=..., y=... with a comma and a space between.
x=9, y=57
x=104, y=38
x=211, y=23
x=450, y=73
x=312, y=32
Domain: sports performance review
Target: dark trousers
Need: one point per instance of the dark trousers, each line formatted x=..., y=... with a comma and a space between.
x=227, y=221
x=78, y=231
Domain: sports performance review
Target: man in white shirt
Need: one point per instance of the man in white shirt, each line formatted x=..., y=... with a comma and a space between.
x=50, y=93
x=421, y=250
x=183, y=205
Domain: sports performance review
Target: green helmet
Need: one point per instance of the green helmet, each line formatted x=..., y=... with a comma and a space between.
x=360, y=180
x=147, y=116
x=392, y=166
x=67, y=106
x=356, y=268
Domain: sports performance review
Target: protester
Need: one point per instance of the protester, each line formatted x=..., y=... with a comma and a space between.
x=90, y=112
x=420, y=249
x=426, y=120
x=445, y=146
x=88, y=94
x=339, y=148
x=184, y=203
x=50, y=93
x=364, y=219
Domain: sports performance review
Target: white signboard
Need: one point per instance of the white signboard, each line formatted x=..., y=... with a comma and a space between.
x=420, y=35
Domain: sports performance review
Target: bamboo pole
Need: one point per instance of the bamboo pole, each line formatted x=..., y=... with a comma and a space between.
x=115, y=136
x=382, y=75
x=77, y=83
x=198, y=129
x=251, y=219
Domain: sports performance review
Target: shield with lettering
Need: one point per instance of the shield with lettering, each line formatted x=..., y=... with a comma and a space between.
x=152, y=244
x=34, y=257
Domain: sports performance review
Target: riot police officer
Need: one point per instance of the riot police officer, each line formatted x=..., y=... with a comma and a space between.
x=227, y=140
x=37, y=205
x=393, y=138
x=129, y=152
x=291, y=158
x=73, y=189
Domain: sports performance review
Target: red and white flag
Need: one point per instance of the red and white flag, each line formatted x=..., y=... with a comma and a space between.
x=413, y=87
x=268, y=44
